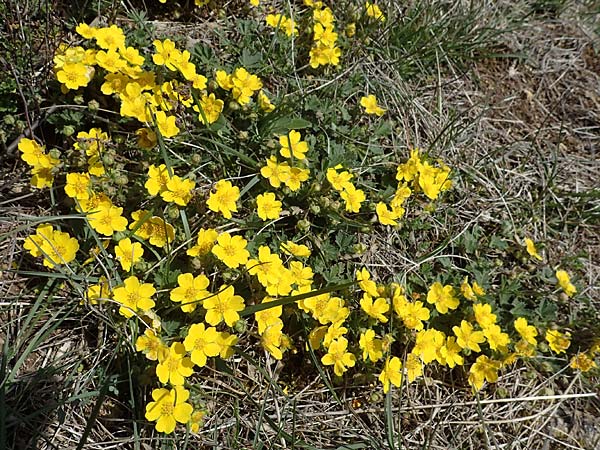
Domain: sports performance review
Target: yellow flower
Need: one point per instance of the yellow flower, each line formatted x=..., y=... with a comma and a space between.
x=582, y=362
x=209, y=109
x=413, y=367
x=375, y=309
x=166, y=124
x=57, y=247
x=283, y=23
x=323, y=54
x=299, y=251
x=471, y=292
x=267, y=206
x=371, y=346
x=266, y=267
x=107, y=219
x=558, y=341
x=134, y=296
x=443, y=297
x=291, y=144
x=413, y=314
x=324, y=35
x=227, y=341
x=321, y=14
x=223, y=80
x=78, y=186
x=151, y=345
x=276, y=173
x=190, y=291
x=564, y=281
x=75, y=75
x=272, y=339
x=168, y=408
x=202, y=342
x=174, y=366
x=428, y=343
x=268, y=317
x=132, y=55
x=197, y=417
x=97, y=292
x=204, y=243
x=433, y=180
x=391, y=373
x=179, y=191
x=369, y=103
x=244, y=85
x=85, y=31
x=34, y=155
x=340, y=180
x=264, y=102
x=531, y=250
x=301, y=275
x=483, y=314
x=497, y=340
x=166, y=54
x=483, y=369
x=296, y=176
x=467, y=338
x=386, y=216
x=223, y=306
x=223, y=200
x=338, y=356
x=161, y=232
x=373, y=11
x=527, y=332
x=158, y=177
x=409, y=170
x=128, y=253
x=110, y=37
x=231, y=250
x=365, y=283
x=450, y=353
x=110, y=60
x=353, y=198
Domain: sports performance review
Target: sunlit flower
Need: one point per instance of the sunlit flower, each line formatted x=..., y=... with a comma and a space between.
x=224, y=199
x=558, y=341
x=128, y=253
x=338, y=356
x=168, y=408
x=224, y=305
x=369, y=103
x=391, y=373
x=231, y=250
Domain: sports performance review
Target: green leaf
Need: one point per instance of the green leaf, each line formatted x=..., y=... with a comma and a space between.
x=285, y=124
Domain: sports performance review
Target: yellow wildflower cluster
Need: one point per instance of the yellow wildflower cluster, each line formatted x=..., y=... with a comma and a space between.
x=431, y=180
x=324, y=50
x=230, y=277
x=57, y=247
x=294, y=149
x=242, y=84
x=283, y=23
x=373, y=11
x=172, y=188
x=43, y=165
x=93, y=143
x=340, y=181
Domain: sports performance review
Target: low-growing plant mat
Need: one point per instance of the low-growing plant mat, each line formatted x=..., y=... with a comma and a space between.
x=509, y=100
